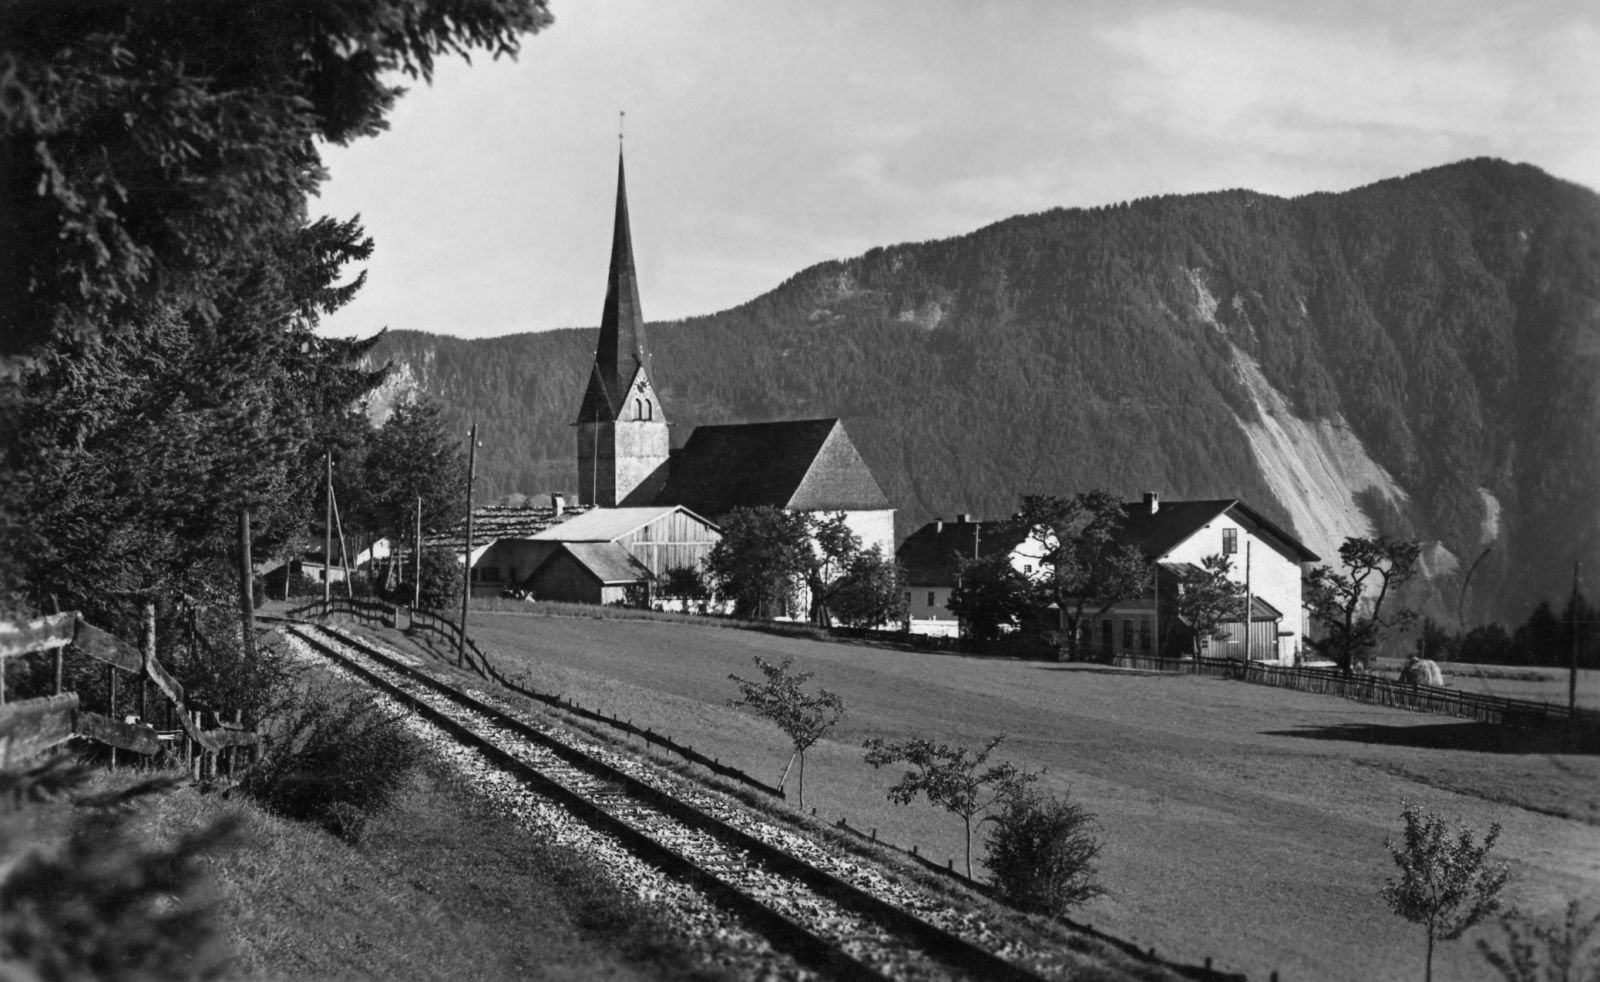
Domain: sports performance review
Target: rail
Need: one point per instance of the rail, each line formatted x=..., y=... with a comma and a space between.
x=387, y=615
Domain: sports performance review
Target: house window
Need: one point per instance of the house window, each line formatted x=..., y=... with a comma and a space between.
x=930, y=598
x=1027, y=569
x=1127, y=635
x=1144, y=634
x=1230, y=541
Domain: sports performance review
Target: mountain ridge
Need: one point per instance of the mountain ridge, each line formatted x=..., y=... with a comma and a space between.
x=1431, y=337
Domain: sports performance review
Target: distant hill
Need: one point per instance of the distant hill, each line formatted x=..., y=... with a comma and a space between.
x=1420, y=356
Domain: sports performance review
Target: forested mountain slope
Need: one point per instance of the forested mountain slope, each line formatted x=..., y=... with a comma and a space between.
x=1420, y=356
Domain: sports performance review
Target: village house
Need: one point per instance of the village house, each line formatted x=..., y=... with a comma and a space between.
x=932, y=556
x=1175, y=537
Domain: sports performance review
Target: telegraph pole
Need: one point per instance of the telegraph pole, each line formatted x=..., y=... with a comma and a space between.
x=327, y=541
x=247, y=586
x=1572, y=674
x=416, y=561
x=466, y=565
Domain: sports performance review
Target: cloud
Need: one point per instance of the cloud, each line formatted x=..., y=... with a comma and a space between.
x=1361, y=87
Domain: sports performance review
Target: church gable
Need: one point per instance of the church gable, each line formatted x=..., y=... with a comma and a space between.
x=838, y=479
x=808, y=465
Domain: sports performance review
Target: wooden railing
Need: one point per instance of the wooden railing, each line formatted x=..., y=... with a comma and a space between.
x=31, y=726
x=1369, y=688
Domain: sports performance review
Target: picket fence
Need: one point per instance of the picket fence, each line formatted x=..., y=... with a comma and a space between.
x=1374, y=689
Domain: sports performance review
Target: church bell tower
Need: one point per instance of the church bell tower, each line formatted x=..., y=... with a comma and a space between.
x=623, y=444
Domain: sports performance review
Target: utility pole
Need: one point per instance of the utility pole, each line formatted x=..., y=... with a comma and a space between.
x=1249, y=600
x=247, y=586
x=1572, y=674
x=466, y=556
x=327, y=541
x=416, y=561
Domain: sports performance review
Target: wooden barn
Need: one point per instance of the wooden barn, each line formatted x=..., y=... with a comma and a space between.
x=614, y=555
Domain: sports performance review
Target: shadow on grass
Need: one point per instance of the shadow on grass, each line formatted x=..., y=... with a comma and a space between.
x=1475, y=736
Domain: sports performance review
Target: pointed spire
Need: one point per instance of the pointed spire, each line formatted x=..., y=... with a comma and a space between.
x=621, y=348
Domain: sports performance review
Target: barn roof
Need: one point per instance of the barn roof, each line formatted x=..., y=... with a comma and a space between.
x=607, y=562
x=932, y=554
x=807, y=464
x=609, y=524
x=491, y=523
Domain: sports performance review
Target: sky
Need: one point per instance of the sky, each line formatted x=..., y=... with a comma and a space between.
x=765, y=136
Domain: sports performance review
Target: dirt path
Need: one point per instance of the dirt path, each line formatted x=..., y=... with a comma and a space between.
x=1242, y=823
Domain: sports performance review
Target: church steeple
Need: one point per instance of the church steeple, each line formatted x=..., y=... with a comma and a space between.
x=620, y=352
x=622, y=431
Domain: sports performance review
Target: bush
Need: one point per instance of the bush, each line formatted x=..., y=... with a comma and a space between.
x=104, y=902
x=1041, y=853
x=335, y=763
x=441, y=582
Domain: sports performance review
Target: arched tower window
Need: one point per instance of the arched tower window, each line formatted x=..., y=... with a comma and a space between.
x=643, y=409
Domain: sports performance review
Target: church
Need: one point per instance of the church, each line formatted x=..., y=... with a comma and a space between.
x=624, y=447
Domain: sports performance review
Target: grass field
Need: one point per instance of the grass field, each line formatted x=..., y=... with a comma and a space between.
x=1241, y=822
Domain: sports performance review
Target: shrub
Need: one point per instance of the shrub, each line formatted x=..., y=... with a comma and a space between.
x=335, y=763
x=1041, y=853
x=105, y=903
x=1539, y=951
x=441, y=582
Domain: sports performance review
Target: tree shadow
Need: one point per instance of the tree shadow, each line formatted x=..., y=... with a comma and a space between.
x=1472, y=735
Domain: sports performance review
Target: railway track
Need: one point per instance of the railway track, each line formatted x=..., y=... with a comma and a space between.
x=832, y=915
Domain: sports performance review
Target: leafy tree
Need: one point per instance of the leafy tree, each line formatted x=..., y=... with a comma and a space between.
x=1447, y=882
x=1349, y=605
x=1081, y=567
x=834, y=547
x=1537, y=951
x=990, y=596
x=803, y=717
x=871, y=591
x=410, y=456
x=161, y=281
x=762, y=554
x=686, y=583
x=441, y=582
x=1041, y=853
x=1212, y=599
x=952, y=778
x=149, y=147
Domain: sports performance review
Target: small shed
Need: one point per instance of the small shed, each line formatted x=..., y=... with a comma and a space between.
x=592, y=573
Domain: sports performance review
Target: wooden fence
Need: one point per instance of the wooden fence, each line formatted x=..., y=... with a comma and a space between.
x=1369, y=688
x=473, y=657
x=31, y=726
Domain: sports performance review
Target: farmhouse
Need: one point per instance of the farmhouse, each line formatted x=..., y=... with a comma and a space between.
x=931, y=557
x=624, y=449
x=1175, y=537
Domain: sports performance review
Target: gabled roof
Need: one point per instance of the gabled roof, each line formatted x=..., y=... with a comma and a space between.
x=609, y=524
x=491, y=523
x=932, y=554
x=607, y=562
x=807, y=464
x=1158, y=533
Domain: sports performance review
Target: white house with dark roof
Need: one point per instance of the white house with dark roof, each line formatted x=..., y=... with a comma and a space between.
x=1175, y=537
